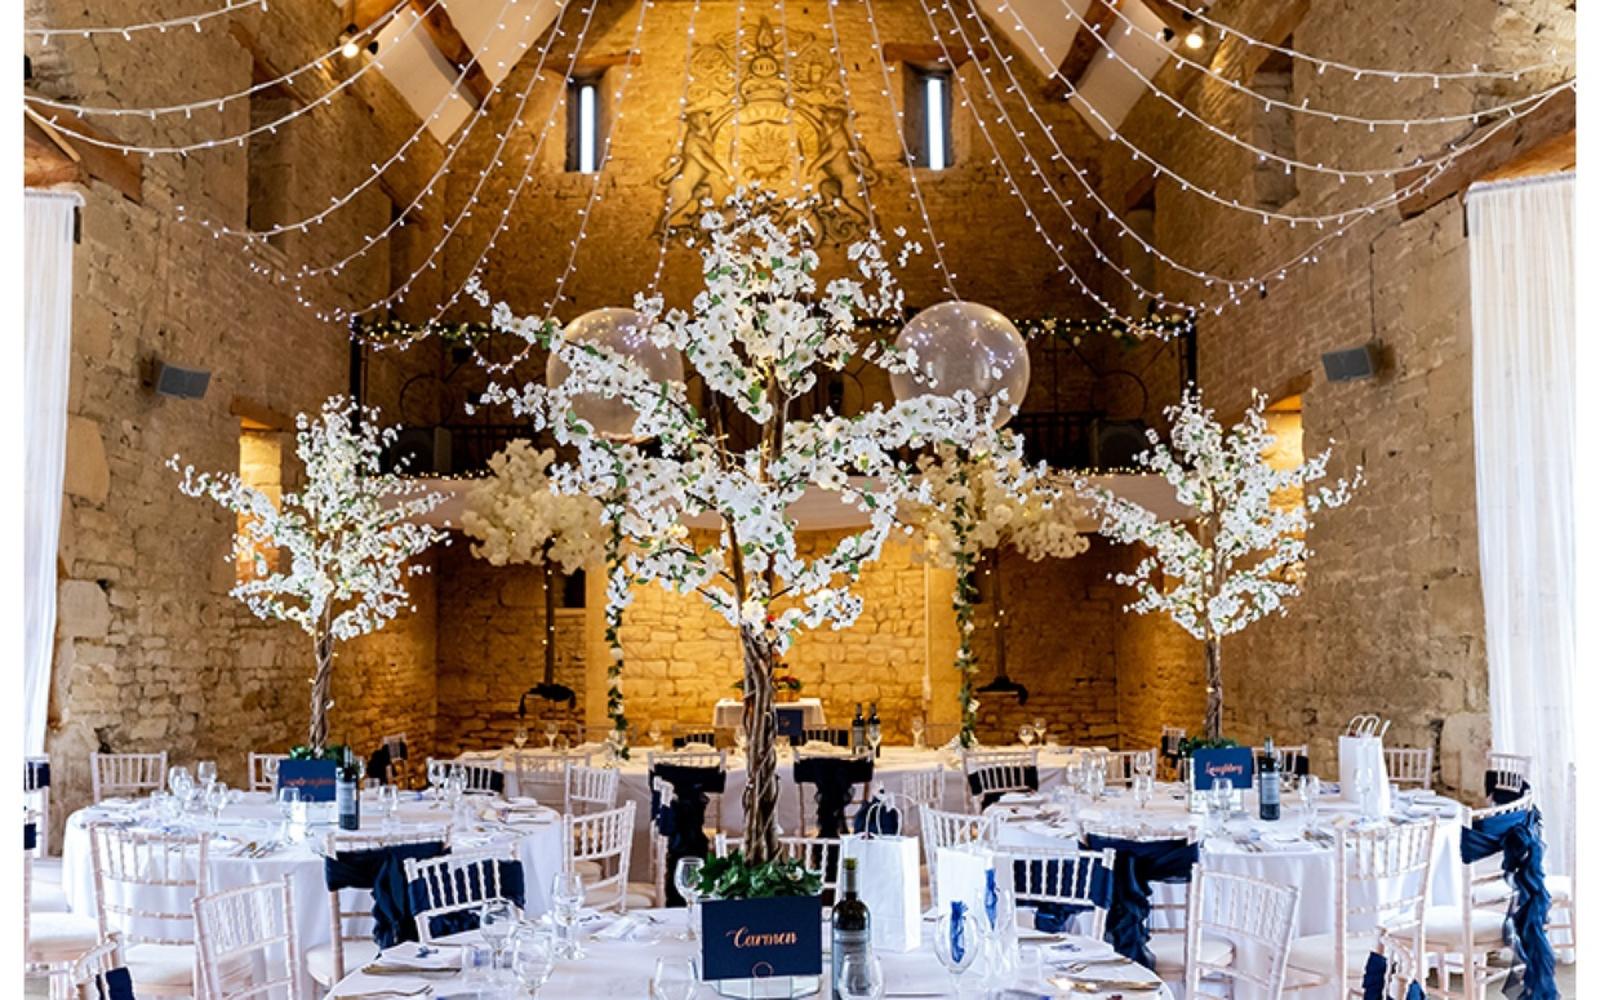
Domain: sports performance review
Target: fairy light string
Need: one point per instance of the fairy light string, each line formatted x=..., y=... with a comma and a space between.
x=127, y=31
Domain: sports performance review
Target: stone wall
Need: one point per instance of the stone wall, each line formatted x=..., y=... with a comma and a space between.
x=152, y=653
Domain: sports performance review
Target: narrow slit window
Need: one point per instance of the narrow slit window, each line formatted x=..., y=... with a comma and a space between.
x=585, y=125
x=928, y=118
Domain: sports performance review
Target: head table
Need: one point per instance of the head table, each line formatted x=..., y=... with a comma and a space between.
x=620, y=955
x=1279, y=851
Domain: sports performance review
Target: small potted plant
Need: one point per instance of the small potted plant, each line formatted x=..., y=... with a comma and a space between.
x=786, y=687
x=761, y=927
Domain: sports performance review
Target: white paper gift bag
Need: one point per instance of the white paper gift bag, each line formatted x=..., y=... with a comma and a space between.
x=889, y=879
x=1355, y=753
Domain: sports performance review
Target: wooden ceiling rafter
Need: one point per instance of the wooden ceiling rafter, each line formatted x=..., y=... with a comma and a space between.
x=52, y=157
x=932, y=54
x=1086, y=44
x=594, y=64
x=442, y=33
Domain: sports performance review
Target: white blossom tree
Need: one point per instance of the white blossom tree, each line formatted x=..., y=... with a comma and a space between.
x=1241, y=555
x=348, y=537
x=979, y=508
x=757, y=335
x=518, y=519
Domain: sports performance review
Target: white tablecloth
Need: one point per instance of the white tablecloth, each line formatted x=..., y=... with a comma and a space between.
x=256, y=819
x=1284, y=855
x=622, y=968
x=729, y=712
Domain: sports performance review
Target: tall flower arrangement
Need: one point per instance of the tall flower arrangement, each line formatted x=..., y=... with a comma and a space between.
x=518, y=519
x=349, y=536
x=757, y=335
x=1242, y=554
x=984, y=502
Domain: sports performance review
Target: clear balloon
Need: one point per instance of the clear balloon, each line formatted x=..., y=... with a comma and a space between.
x=624, y=332
x=964, y=345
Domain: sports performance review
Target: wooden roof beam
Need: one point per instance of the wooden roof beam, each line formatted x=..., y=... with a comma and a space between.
x=442, y=32
x=51, y=156
x=1086, y=44
x=932, y=53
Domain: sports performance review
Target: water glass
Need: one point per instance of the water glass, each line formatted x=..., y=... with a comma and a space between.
x=1220, y=802
x=389, y=804
x=477, y=963
x=533, y=959
x=497, y=921
x=1094, y=780
x=686, y=877
x=182, y=786
x=674, y=979
x=919, y=729
x=521, y=737
x=1310, y=793
x=566, y=893
x=861, y=978
x=1143, y=790
x=1144, y=762
x=551, y=731
x=206, y=773
x=1025, y=735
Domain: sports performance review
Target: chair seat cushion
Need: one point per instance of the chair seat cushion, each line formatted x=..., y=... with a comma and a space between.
x=319, y=960
x=1315, y=953
x=590, y=870
x=1560, y=887
x=1499, y=893
x=60, y=937
x=48, y=897
x=641, y=895
x=1442, y=926
x=165, y=967
x=1168, y=950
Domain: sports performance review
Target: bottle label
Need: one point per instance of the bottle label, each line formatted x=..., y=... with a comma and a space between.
x=845, y=945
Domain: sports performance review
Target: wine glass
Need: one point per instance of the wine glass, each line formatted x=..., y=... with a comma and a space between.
x=216, y=800
x=875, y=737
x=654, y=732
x=674, y=979
x=533, y=959
x=1143, y=790
x=956, y=942
x=687, y=879
x=1144, y=762
x=288, y=798
x=1310, y=793
x=567, y=893
x=1040, y=727
x=551, y=731
x=1220, y=802
x=389, y=804
x=206, y=773
x=181, y=784
x=497, y=921
x=861, y=977
x=1025, y=735
x=919, y=729
x=1094, y=780
x=520, y=738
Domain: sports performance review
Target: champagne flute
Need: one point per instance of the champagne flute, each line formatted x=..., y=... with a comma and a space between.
x=567, y=893
x=551, y=731
x=861, y=977
x=687, y=879
x=674, y=979
x=520, y=738
x=533, y=959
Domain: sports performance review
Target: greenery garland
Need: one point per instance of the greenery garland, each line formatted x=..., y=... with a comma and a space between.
x=965, y=597
x=616, y=582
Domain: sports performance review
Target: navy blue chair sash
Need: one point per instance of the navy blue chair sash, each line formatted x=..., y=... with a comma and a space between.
x=1030, y=777
x=1140, y=863
x=116, y=984
x=683, y=823
x=1515, y=836
x=470, y=881
x=834, y=777
x=382, y=872
x=35, y=775
x=1375, y=977
x=1504, y=793
x=30, y=836
x=378, y=765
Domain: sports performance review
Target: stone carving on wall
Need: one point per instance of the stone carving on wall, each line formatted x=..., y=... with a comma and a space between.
x=756, y=118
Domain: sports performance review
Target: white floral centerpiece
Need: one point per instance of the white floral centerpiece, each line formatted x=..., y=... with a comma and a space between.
x=1242, y=554
x=757, y=336
x=979, y=508
x=348, y=537
x=518, y=519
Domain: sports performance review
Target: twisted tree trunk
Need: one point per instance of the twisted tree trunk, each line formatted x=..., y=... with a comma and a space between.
x=1214, y=688
x=761, y=752
x=321, y=684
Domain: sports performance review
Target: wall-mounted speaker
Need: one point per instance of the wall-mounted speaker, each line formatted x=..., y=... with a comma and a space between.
x=1351, y=364
x=419, y=451
x=181, y=383
x=1114, y=443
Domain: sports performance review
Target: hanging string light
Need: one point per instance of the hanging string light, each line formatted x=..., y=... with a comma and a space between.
x=654, y=284
x=127, y=31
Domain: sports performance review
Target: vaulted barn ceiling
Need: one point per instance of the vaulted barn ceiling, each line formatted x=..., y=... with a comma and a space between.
x=466, y=46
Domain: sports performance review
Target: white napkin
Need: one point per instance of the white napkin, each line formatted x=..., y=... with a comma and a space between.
x=427, y=958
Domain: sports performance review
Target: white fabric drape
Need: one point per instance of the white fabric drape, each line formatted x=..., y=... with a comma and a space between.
x=47, y=354
x=1524, y=342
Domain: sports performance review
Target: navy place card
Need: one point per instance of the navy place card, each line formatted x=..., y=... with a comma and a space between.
x=314, y=778
x=761, y=938
x=1237, y=764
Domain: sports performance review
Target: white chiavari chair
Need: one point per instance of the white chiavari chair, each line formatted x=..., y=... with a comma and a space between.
x=664, y=796
x=1463, y=936
x=939, y=828
x=1119, y=767
x=600, y=846
x=1169, y=902
x=90, y=973
x=126, y=774
x=399, y=759
x=1066, y=876
x=145, y=884
x=818, y=854
x=263, y=771
x=1246, y=913
x=453, y=883
x=922, y=787
x=1409, y=766
x=997, y=772
x=592, y=789
x=36, y=796
x=1510, y=771
x=350, y=910
x=1381, y=882
x=1563, y=888
x=248, y=945
x=480, y=775
x=53, y=941
x=546, y=776
x=1171, y=738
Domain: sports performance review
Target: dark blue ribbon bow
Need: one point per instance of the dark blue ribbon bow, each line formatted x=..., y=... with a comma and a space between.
x=1376, y=974
x=878, y=818
x=683, y=822
x=958, y=930
x=115, y=984
x=834, y=778
x=991, y=897
x=470, y=881
x=1515, y=837
x=1138, y=864
x=1030, y=777
x=382, y=872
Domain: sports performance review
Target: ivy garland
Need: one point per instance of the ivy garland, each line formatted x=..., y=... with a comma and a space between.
x=617, y=583
x=966, y=596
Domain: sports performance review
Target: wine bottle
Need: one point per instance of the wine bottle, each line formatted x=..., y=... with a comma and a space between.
x=852, y=925
x=1269, y=788
x=347, y=790
x=874, y=729
x=858, y=730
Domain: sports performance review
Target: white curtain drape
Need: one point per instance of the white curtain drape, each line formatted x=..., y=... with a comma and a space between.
x=47, y=354
x=1524, y=342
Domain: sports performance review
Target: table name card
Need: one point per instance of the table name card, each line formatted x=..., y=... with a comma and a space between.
x=314, y=778
x=1237, y=764
x=761, y=938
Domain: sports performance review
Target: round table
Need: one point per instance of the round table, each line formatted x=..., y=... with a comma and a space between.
x=256, y=819
x=622, y=967
x=1277, y=851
